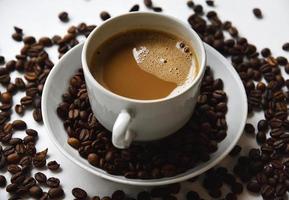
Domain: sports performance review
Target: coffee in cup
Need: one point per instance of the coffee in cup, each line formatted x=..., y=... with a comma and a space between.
x=144, y=64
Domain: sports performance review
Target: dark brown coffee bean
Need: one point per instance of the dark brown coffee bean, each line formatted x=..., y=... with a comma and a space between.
x=79, y=193
x=63, y=16
x=157, y=9
x=148, y=3
x=55, y=193
x=45, y=41
x=40, y=177
x=104, y=15
x=261, y=137
x=11, y=188
x=29, y=40
x=73, y=142
x=192, y=195
x=134, y=8
x=258, y=13
x=235, y=151
x=19, y=109
x=118, y=195
x=19, y=124
x=17, y=178
x=282, y=60
x=2, y=181
x=285, y=46
x=266, y=52
x=35, y=191
x=18, y=30
x=198, y=9
x=13, y=169
x=53, y=182
x=2, y=60
x=210, y=3
x=93, y=159
x=267, y=191
x=13, y=158
x=39, y=160
x=37, y=115
x=249, y=128
x=53, y=165
x=17, y=37
x=6, y=97
x=26, y=101
x=263, y=125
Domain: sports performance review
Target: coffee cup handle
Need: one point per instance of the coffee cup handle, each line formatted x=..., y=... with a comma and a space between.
x=122, y=136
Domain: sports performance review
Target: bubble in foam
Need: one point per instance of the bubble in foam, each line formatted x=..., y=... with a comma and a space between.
x=140, y=53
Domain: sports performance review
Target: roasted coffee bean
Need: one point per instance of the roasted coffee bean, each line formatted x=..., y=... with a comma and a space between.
x=63, y=16
x=148, y=3
x=19, y=124
x=104, y=15
x=253, y=186
x=53, y=182
x=37, y=115
x=17, y=178
x=36, y=191
x=235, y=151
x=263, y=125
x=210, y=3
x=261, y=137
x=11, y=188
x=198, y=9
x=249, y=128
x=53, y=165
x=159, y=9
x=285, y=46
x=19, y=109
x=17, y=37
x=26, y=101
x=93, y=159
x=73, y=142
x=134, y=8
x=118, y=195
x=79, y=193
x=2, y=181
x=29, y=40
x=40, y=177
x=192, y=195
x=258, y=13
x=267, y=191
x=282, y=60
x=39, y=160
x=55, y=193
x=190, y=4
x=6, y=97
x=13, y=169
x=2, y=60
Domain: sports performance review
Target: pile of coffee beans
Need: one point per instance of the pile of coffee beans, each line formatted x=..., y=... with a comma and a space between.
x=264, y=169
x=150, y=160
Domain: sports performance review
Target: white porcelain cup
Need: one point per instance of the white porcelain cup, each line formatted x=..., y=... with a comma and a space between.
x=141, y=120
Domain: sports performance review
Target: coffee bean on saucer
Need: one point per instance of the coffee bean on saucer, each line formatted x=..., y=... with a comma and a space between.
x=17, y=37
x=190, y=4
x=53, y=165
x=19, y=124
x=263, y=125
x=249, y=128
x=285, y=46
x=282, y=60
x=134, y=8
x=79, y=193
x=63, y=16
x=104, y=15
x=53, y=182
x=266, y=52
x=148, y=3
x=258, y=13
x=157, y=9
x=2, y=181
x=55, y=193
x=2, y=60
x=40, y=177
x=35, y=191
x=235, y=151
x=210, y=3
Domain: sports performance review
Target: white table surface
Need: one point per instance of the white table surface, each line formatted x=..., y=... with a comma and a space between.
x=39, y=18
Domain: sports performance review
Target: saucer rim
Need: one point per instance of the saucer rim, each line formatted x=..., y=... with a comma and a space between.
x=147, y=182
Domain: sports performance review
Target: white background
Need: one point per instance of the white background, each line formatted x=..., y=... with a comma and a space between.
x=39, y=18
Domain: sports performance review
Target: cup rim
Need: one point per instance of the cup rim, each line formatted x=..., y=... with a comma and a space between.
x=201, y=61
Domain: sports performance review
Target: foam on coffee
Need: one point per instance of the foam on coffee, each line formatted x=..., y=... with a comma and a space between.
x=160, y=54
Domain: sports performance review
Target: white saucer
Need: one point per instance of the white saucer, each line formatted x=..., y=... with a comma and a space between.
x=57, y=83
